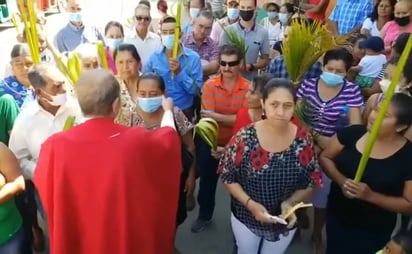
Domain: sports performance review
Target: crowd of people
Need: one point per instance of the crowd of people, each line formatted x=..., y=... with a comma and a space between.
x=122, y=178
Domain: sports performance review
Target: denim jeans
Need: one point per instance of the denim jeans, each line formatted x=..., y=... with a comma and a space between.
x=19, y=244
x=208, y=179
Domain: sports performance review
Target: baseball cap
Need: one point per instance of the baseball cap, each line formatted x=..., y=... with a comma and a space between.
x=374, y=42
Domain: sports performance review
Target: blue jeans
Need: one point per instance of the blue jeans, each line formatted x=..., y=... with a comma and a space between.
x=19, y=244
x=208, y=179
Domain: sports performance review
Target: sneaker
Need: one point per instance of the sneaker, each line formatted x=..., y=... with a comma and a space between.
x=199, y=225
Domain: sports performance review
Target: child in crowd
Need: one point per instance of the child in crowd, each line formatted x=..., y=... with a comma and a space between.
x=372, y=63
x=399, y=244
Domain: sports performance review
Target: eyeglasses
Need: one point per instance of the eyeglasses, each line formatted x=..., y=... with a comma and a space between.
x=230, y=64
x=140, y=18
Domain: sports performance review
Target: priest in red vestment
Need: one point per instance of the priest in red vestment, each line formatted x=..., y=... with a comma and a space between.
x=106, y=188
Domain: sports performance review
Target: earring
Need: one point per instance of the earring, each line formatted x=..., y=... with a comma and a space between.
x=263, y=115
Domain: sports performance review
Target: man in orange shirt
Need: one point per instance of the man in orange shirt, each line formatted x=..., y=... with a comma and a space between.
x=222, y=97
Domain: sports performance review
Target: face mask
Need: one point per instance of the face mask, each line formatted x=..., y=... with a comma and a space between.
x=246, y=15
x=384, y=85
x=75, y=17
x=403, y=21
x=283, y=18
x=331, y=79
x=150, y=105
x=168, y=40
x=233, y=13
x=272, y=14
x=194, y=12
x=57, y=100
x=113, y=43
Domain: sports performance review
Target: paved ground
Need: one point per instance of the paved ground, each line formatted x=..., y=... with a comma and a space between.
x=217, y=239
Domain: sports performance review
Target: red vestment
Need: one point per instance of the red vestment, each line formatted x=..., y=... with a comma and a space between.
x=110, y=189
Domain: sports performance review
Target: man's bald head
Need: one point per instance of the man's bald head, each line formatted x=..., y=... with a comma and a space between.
x=97, y=92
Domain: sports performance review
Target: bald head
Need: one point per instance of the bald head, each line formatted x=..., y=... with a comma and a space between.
x=97, y=92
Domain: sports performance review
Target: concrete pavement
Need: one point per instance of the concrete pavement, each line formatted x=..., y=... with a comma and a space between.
x=217, y=239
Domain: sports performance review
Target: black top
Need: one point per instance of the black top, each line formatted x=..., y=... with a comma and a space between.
x=386, y=176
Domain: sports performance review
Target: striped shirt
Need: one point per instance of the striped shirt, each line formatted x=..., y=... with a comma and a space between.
x=326, y=115
x=217, y=98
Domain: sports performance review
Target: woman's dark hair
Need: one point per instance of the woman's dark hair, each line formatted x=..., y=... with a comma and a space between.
x=259, y=81
x=339, y=54
x=374, y=15
x=407, y=72
x=202, y=3
x=276, y=83
x=400, y=43
x=162, y=6
x=290, y=8
x=21, y=49
x=145, y=2
x=403, y=105
x=405, y=241
x=155, y=77
x=230, y=50
x=277, y=7
x=113, y=24
x=357, y=38
x=394, y=60
x=129, y=48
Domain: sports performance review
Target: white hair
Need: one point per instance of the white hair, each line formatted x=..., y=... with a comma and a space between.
x=87, y=50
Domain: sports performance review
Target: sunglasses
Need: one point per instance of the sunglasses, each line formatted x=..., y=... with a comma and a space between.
x=140, y=18
x=230, y=64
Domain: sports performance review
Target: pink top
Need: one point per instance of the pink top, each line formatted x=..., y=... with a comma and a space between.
x=390, y=32
x=110, y=61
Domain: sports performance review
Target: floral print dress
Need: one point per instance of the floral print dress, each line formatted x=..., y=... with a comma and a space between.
x=268, y=178
x=127, y=108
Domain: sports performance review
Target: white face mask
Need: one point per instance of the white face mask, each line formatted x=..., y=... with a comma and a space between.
x=384, y=85
x=58, y=100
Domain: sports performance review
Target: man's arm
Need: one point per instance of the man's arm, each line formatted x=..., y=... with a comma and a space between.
x=264, y=59
x=213, y=66
x=192, y=77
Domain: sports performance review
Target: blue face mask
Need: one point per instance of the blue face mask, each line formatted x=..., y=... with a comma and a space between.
x=168, y=40
x=150, y=105
x=75, y=17
x=283, y=18
x=194, y=12
x=113, y=43
x=272, y=14
x=233, y=13
x=331, y=79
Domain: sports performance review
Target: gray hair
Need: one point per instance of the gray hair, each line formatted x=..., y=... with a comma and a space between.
x=87, y=50
x=21, y=49
x=38, y=72
x=205, y=13
x=96, y=92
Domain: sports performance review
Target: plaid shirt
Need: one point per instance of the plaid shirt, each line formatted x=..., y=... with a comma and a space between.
x=208, y=50
x=350, y=14
x=277, y=67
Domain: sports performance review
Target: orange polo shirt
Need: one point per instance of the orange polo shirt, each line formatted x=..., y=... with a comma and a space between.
x=217, y=98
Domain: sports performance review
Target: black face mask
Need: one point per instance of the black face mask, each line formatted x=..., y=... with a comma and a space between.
x=403, y=21
x=246, y=15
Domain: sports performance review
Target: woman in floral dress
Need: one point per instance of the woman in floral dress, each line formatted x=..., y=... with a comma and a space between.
x=268, y=167
x=128, y=64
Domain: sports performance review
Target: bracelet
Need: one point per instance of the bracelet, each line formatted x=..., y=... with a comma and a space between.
x=247, y=201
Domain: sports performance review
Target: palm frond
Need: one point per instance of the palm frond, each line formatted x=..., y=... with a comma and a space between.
x=235, y=38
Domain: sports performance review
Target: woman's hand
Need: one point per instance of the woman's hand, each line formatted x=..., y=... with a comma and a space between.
x=218, y=152
x=286, y=206
x=353, y=189
x=259, y=212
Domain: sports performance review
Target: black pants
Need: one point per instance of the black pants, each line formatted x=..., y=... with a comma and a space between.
x=181, y=208
x=207, y=166
x=26, y=204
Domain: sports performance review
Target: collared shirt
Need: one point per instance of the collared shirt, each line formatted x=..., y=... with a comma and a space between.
x=145, y=47
x=33, y=126
x=183, y=86
x=277, y=67
x=70, y=36
x=349, y=14
x=20, y=93
x=217, y=98
x=256, y=41
x=208, y=50
x=127, y=111
x=217, y=30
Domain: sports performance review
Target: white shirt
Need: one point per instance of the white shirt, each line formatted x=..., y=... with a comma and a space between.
x=33, y=126
x=372, y=27
x=275, y=31
x=372, y=65
x=145, y=47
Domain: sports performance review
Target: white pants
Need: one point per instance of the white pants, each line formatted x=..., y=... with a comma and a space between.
x=248, y=243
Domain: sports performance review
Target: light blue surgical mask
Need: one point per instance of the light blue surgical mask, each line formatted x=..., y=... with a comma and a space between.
x=331, y=79
x=168, y=40
x=75, y=16
x=113, y=43
x=150, y=105
x=283, y=18
x=194, y=12
x=233, y=13
x=272, y=14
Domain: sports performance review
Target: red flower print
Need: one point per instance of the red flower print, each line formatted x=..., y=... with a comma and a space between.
x=259, y=159
x=239, y=153
x=306, y=155
x=302, y=133
x=317, y=178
